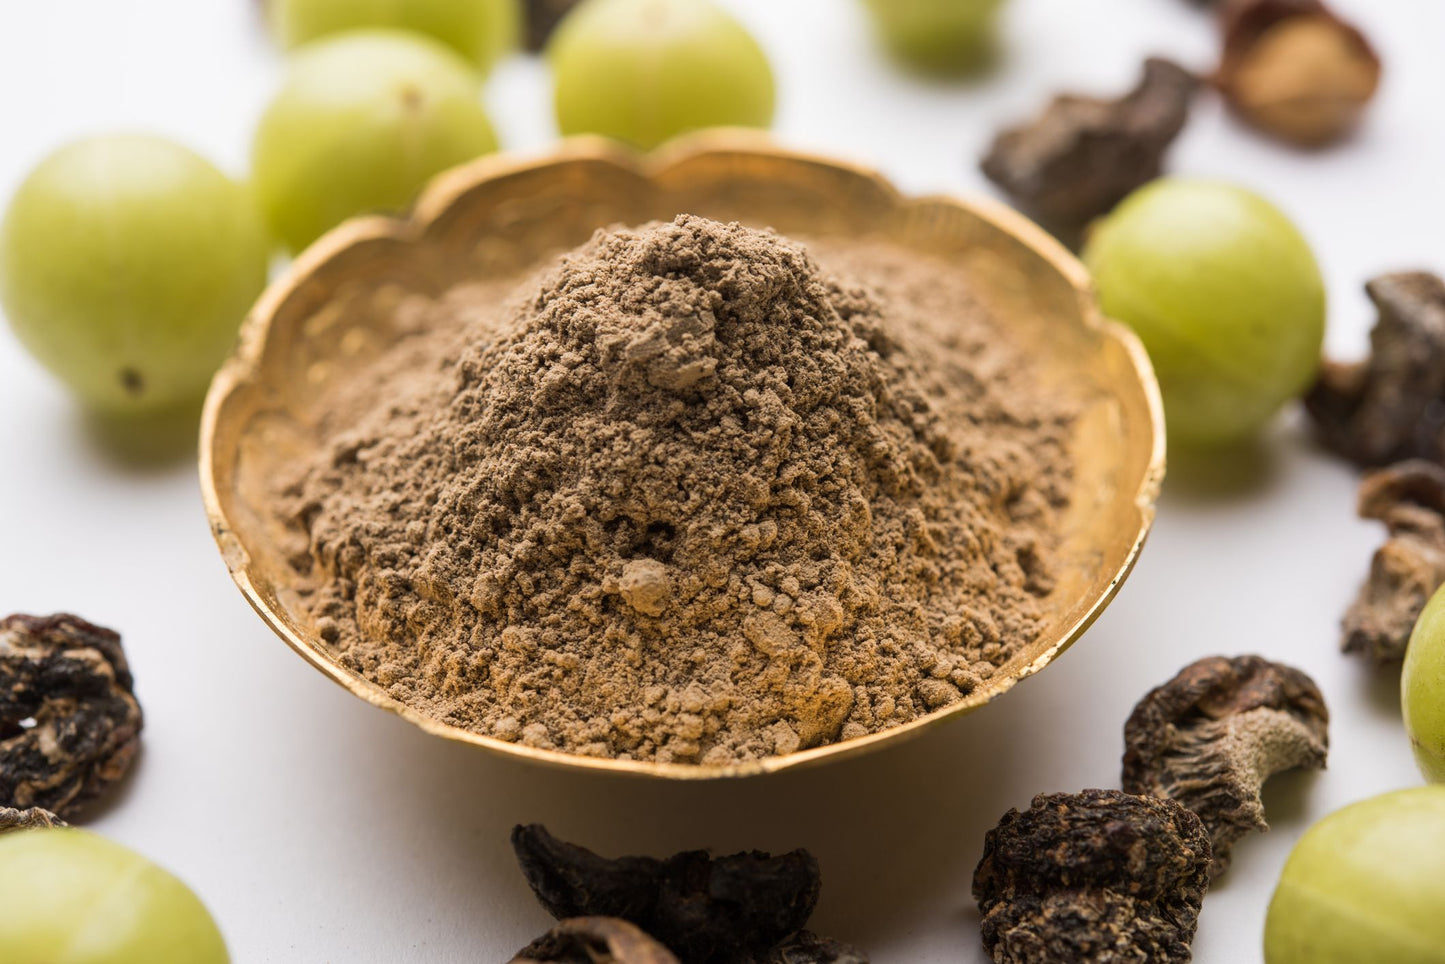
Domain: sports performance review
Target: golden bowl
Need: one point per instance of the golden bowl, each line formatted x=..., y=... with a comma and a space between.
x=499, y=215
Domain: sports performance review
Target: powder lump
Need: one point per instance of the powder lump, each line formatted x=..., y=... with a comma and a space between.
x=695, y=499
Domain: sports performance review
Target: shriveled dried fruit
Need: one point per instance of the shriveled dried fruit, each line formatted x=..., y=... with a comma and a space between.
x=1097, y=875
x=805, y=947
x=733, y=909
x=572, y=881
x=1390, y=407
x=1295, y=70
x=33, y=819
x=543, y=17
x=69, y=723
x=1084, y=155
x=1410, y=499
x=1213, y=734
x=594, y=940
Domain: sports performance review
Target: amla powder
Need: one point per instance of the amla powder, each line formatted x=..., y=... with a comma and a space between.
x=695, y=499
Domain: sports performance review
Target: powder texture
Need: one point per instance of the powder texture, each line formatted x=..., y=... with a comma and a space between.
x=694, y=499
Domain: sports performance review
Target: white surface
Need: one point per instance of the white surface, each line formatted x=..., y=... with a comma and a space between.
x=319, y=829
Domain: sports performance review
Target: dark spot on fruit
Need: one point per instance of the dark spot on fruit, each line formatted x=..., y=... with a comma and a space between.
x=412, y=98
x=132, y=381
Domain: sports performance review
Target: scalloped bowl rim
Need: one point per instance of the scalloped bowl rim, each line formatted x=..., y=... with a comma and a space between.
x=434, y=202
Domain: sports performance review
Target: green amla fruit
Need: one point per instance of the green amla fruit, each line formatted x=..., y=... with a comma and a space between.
x=938, y=36
x=644, y=71
x=1225, y=294
x=1422, y=690
x=363, y=121
x=126, y=265
x=1364, y=886
x=483, y=31
x=71, y=897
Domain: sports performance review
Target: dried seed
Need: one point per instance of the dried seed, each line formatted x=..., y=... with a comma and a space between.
x=1405, y=572
x=805, y=947
x=543, y=17
x=1083, y=155
x=594, y=940
x=69, y=723
x=1390, y=407
x=33, y=819
x=1295, y=70
x=705, y=909
x=1097, y=875
x=1213, y=734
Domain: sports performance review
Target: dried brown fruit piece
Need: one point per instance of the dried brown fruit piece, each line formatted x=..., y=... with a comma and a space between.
x=1295, y=70
x=1405, y=572
x=732, y=909
x=1212, y=735
x=1082, y=155
x=805, y=947
x=1097, y=875
x=543, y=17
x=572, y=881
x=594, y=940
x=1390, y=407
x=69, y=723
x=35, y=818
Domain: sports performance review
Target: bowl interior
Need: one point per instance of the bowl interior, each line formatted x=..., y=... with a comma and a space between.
x=333, y=312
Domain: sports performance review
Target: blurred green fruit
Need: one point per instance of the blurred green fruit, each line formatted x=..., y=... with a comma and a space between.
x=363, y=121
x=71, y=897
x=126, y=265
x=644, y=71
x=938, y=36
x=1224, y=293
x=1364, y=886
x=1422, y=689
x=480, y=30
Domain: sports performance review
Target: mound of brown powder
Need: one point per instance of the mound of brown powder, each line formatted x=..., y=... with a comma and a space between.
x=695, y=500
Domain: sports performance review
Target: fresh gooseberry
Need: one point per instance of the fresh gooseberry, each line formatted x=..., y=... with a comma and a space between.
x=126, y=265
x=1422, y=689
x=643, y=71
x=71, y=897
x=938, y=36
x=363, y=121
x=1226, y=296
x=1364, y=886
x=480, y=30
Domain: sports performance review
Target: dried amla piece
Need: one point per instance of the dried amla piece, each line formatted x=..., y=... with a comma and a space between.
x=1097, y=875
x=1084, y=155
x=594, y=940
x=706, y=910
x=1405, y=572
x=1213, y=734
x=805, y=947
x=542, y=18
x=34, y=818
x=1295, y=70
x=1391, y=406
x=69, y=722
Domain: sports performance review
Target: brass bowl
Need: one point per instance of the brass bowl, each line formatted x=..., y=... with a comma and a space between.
x=499, y=215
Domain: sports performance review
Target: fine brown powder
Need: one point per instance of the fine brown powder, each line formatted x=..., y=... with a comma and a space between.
x=695, y=499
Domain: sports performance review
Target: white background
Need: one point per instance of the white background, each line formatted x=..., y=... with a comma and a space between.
x=319, y=829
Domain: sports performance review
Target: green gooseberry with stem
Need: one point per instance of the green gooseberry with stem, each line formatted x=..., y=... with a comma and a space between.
x=939, y=37
x=364, y=119
x=1422, y=689
x=1225, y=294
x=126, y=265
x=69, y=896
x=481, y=30
x=1364, y=886
x=645, y=71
